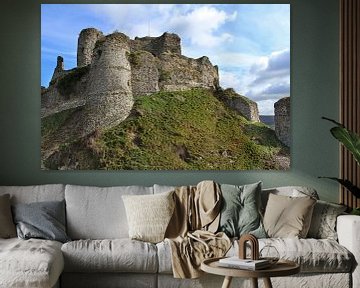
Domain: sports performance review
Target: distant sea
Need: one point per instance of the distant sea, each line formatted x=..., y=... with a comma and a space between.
x=268, y=120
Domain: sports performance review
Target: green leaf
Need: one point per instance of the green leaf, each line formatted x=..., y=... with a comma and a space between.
x=348, y=185
x=348, y=138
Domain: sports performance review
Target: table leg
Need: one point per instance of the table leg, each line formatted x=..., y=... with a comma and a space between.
x=267, y=283
x=227, y=282
x=254, y=282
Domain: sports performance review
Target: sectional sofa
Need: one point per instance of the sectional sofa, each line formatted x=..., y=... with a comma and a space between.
x=100, y=253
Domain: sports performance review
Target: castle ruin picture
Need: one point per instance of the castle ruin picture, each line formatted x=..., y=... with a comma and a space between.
x=140, y=104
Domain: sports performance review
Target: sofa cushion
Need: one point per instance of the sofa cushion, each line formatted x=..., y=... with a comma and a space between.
x=98, y=213
x=30, y=263
x=35, y=193
x=240, y=212
x=323, y=222
x=313, y=255
x=7, y=226
x=43, y=220
x=116, y=255
x=287, y=216
x=149, y=215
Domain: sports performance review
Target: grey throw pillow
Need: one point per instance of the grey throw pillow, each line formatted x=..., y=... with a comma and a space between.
x=240, y=213
x=44, y=220
x=323, y=222
x=7, y=226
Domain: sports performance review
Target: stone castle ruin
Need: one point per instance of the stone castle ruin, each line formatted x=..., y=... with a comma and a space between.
x=112, y=70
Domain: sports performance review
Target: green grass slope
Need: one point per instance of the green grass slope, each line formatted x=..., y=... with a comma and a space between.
x=189, y=130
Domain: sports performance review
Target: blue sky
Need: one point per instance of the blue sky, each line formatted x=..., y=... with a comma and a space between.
x=249, y=42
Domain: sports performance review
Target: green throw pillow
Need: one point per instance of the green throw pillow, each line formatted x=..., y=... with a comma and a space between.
x=240, y=213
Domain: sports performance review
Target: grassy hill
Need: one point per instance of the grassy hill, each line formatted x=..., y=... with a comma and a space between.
x=189, y=130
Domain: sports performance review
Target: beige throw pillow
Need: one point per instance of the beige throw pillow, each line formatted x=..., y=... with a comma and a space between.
x=7, y=226
x=148, y=215
x=288, y=217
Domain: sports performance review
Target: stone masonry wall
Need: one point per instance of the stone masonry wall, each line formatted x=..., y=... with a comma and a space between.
x=144, y=73
x=178, y=72
x=282, y=120
x=241, y=104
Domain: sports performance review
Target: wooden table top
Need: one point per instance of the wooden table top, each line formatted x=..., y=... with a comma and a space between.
x=281, y=268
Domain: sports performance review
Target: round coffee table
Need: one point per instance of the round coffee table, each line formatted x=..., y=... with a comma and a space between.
x=281, y=268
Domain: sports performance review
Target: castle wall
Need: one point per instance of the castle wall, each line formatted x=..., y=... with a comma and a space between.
x=178, y=72
x=144, y=73
x=108, y=95
x=282, y=120
x=167, y=42
x=86, y=44
x=53, y=100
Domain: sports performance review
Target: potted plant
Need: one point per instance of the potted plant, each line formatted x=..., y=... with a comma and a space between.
x=351, y=141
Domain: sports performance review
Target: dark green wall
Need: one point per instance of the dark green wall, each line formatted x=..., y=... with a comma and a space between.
x=314, y=93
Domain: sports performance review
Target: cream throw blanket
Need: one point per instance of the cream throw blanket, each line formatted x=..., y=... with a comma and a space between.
x=191, y=231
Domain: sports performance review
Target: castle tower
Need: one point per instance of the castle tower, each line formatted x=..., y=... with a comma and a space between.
x=109, y=94
x=86, y=44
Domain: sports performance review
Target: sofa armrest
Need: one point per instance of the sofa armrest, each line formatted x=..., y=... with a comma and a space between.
x=348, y=230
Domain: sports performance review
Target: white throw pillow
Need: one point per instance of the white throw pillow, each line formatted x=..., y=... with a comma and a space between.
x=149, y=215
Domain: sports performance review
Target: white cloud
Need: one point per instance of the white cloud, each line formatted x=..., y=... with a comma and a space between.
x=277, y=65
x=272, y=79
x=201, y=24
x=236, y=59
x=198, y=24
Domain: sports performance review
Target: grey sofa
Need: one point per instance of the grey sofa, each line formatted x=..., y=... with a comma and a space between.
x=101, y=254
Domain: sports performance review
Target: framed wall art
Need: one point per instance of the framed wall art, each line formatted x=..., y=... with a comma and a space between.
x=165, y=87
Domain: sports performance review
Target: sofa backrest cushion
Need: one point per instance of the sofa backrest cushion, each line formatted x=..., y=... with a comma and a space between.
x=36, y=193
x=98, y=212
x=163, y=188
